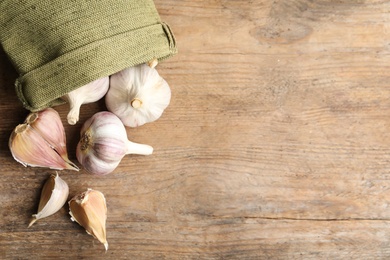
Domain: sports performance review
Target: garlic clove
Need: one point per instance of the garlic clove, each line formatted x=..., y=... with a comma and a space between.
x=104, y=143
x=40, y=142
x=30, y=149
x=88, y=93
x=138, y=95
x=55, y=134
x=90, y=211
x=54, y=194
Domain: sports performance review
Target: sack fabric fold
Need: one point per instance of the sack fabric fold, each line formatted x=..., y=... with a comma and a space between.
x=57, y=46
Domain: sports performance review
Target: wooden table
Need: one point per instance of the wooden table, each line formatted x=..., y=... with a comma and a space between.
x=276, y=144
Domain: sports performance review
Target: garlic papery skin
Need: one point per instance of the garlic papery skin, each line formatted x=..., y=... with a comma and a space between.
x=89, y=209
x=103, y=143
x=138, y=95
x=41, y=142
x=54, y=195
x=88, y=93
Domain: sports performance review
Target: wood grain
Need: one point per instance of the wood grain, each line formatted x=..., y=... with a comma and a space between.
x=276, y=144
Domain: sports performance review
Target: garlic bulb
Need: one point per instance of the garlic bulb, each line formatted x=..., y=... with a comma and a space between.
x=90, y=211
x=138, y=95
x=88, y=93
x=54, y=194
x=104, y=143
x=41, y=142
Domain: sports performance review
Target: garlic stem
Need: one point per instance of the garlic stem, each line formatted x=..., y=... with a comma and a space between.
x=88, y=93
x=136, y=103
x=136, y=148
x=74, y=112
x=153, y=63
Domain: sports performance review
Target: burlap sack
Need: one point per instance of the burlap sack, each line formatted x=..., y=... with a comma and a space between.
x=59, y=45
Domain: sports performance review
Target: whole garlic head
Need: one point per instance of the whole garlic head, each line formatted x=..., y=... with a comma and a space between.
x=138, y=95
x=103, y=143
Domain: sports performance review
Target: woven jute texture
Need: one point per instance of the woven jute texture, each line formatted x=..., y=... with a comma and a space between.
x=57, y=46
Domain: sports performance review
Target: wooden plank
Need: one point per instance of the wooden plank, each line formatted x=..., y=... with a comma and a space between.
x=275, y=144
x=245, y=238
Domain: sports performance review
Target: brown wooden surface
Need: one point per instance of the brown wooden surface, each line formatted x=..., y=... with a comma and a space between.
x=276, y=144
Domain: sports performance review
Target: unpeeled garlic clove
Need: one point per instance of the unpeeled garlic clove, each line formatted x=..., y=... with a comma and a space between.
x=54, y=135
x=89, y=209
x=88, y=93
x=54, y=194
x=41, y=142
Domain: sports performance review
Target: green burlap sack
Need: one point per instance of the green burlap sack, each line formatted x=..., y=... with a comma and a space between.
x=59, y=45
